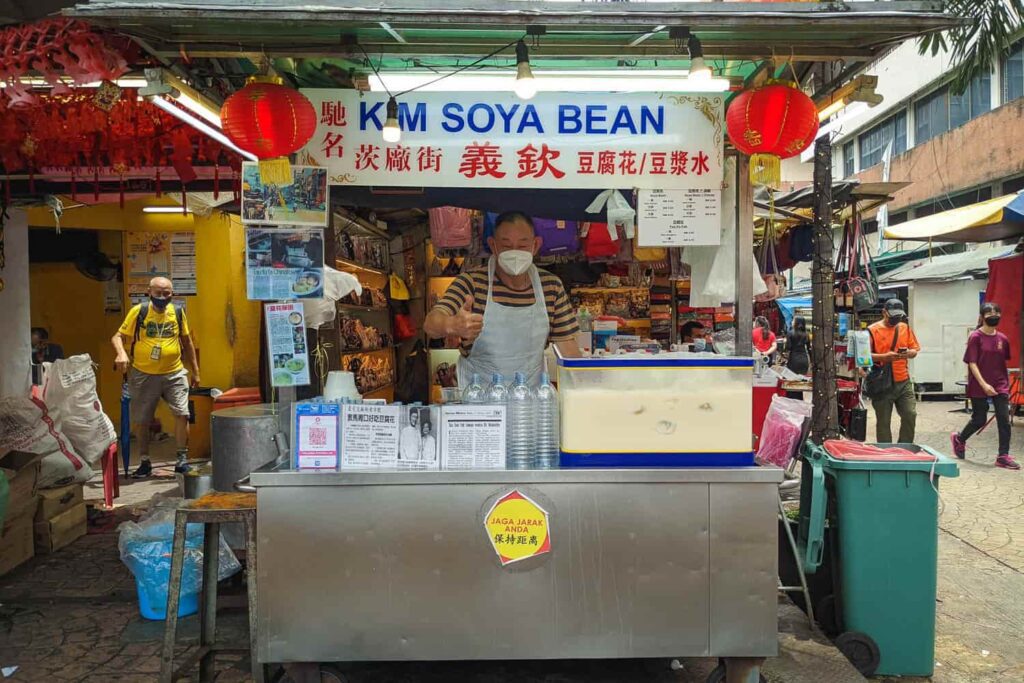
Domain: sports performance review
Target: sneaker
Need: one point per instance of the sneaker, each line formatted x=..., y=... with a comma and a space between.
x=1007, y=462
x=959, y=446
x=182, y=466
x=144, y=470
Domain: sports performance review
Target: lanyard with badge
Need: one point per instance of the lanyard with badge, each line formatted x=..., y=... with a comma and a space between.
x=161, y=330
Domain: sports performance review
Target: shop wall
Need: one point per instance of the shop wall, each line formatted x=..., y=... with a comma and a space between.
x=15, y=338
x=224, y=322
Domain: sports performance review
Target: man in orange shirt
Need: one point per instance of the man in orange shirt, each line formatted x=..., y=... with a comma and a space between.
x=894, y=328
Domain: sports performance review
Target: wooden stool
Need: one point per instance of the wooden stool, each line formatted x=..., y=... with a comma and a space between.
x=211, y=511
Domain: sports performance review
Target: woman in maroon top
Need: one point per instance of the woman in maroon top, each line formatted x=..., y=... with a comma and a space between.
x=987, y=352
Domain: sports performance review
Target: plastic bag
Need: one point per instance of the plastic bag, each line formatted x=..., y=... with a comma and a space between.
x=860, y=344
x=783, y=425
x=617, y=212
x=724, y=341
x=70, y=391
x=28, y=426
x=145, y=548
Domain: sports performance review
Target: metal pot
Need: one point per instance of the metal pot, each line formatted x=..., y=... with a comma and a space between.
x=244, y=439
x=195, y=484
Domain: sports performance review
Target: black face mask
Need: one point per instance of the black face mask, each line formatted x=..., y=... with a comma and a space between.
x=160, y=303
x=895, y=319
x=993, y=320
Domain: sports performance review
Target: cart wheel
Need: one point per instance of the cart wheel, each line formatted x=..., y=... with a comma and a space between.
x=718, y=675
x=825, y=614
x=861, y=650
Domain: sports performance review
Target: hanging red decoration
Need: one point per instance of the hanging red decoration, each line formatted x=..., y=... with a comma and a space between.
x=771, y=123
x=270, y=121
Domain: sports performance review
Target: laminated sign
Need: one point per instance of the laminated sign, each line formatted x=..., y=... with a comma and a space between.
x=517, y=528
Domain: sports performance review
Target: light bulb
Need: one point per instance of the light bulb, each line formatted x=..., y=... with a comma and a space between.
x=699, y=71
x=392, y=131
x=525, y=86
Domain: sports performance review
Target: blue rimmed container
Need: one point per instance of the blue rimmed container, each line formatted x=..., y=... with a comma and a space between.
x=666, y=410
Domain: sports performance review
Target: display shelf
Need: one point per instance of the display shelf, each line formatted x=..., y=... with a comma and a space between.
x=342, y=263
x=356, y=352
x=377, y=390
x=603, y=290
x=367, y=309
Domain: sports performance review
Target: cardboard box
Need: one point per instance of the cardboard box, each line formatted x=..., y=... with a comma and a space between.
x=22, y=472
x=52, y=502
x=54, y=534
x=16, y=544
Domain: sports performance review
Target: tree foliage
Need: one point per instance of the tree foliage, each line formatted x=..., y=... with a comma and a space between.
x=987, y=33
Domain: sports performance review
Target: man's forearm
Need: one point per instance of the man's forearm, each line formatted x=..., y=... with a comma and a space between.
x=437, y=324
x=190, y=355
x=118, y=344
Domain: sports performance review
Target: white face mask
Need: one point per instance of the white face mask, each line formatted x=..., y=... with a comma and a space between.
x=515, y=261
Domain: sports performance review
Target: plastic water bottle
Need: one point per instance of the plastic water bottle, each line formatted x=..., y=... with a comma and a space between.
x=474, y=393
x=548, y=443
x=521, y=453
x=497, y=392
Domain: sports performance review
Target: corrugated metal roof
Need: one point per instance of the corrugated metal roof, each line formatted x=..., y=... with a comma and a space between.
x=968, y=264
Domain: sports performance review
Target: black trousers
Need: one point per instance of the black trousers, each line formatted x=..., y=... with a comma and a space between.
x=979, y=414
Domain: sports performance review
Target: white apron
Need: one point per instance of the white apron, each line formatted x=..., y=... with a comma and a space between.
x=513, y=337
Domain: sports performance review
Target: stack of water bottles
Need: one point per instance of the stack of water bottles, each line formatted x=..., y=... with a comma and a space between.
x=532, y=418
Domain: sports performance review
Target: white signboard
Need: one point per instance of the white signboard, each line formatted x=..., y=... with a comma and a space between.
x=369, y=436
x=316, y=435
x=473, y=437
x=286, y=345
x=679, y=218
x=555, y=140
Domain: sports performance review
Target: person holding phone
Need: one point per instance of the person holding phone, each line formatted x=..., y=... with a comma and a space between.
x=894, y=343
x=987, y=351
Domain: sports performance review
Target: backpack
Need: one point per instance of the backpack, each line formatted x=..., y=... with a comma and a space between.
x=558, y=238
x=801, y=245
x=179, y=316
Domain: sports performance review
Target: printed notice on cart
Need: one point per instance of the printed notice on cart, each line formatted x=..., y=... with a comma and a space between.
x=286, y=345
x=473, y=437
x=679, y=218
x=369, y=436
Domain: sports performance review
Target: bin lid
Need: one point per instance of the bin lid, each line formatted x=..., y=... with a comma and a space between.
x=843, y=454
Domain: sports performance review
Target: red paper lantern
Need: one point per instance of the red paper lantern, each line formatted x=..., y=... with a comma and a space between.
x=270, y=121
x=771, y=123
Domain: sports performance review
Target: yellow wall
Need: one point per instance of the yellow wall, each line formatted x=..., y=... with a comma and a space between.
x=224, y=322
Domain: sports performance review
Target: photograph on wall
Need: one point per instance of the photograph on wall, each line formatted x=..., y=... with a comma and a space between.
x=304, y=202
x=284, y=263
x=420, y=438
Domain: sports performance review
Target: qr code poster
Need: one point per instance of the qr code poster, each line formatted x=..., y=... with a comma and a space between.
x=316, y=436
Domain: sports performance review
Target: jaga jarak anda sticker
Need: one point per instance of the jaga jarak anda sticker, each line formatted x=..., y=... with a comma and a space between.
x=518, y=528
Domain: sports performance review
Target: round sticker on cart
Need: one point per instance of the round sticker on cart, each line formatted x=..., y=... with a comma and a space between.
x=518, y=528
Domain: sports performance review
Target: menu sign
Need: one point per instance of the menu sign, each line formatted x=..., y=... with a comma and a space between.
x=286, y=345
x=679, y=218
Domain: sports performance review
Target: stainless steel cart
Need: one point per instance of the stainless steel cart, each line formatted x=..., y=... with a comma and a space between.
x=381, y=566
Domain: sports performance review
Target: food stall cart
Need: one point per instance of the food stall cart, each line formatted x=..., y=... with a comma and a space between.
x=595, y=562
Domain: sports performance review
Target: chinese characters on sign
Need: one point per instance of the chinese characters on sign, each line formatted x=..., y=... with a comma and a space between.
x=518, y=528
x=679, y=218
x=316, y=443
x=286, y=345
x=578, y=141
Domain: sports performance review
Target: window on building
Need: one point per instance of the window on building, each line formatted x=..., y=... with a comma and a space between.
x=848, y=160
x=1013, y=185
x=897, y=218
x=1013, y=74
x=931, y=116
x=874, y=140
x=953, y=202
x=869, y=227
x=974, y=102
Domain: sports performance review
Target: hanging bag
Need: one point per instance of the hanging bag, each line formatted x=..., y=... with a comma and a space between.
x=768, y=264
x=558, y=238
x=879, y=380
x=597, y=242
x=451, y=227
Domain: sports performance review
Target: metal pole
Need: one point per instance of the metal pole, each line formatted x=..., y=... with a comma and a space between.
x=744, y=256
x=825, y=416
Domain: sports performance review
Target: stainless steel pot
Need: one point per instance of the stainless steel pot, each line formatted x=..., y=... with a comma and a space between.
x=244, y=439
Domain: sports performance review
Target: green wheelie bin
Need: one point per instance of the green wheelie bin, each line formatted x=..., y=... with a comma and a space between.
x=882, y=512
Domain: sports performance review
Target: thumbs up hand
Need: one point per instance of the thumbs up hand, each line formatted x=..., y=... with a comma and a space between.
x=466, y=324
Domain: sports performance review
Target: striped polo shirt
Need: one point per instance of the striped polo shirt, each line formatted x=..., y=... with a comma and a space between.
x=561, y=317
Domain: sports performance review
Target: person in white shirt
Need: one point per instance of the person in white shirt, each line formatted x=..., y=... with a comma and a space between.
x=409, y=439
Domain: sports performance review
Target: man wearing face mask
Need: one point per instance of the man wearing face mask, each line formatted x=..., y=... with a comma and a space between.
x=159, y=348
x=507, y=312
x=894, y=343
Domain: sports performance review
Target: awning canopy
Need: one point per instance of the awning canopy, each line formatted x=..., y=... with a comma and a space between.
x=989, y=221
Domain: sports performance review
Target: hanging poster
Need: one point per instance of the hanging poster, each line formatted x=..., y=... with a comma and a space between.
x=679, y=218
x=286, y=345
x=112, y=296
x=494, y=139
x=304, y=202
x=149, y=254
x=284, y=263
x=183, y=263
